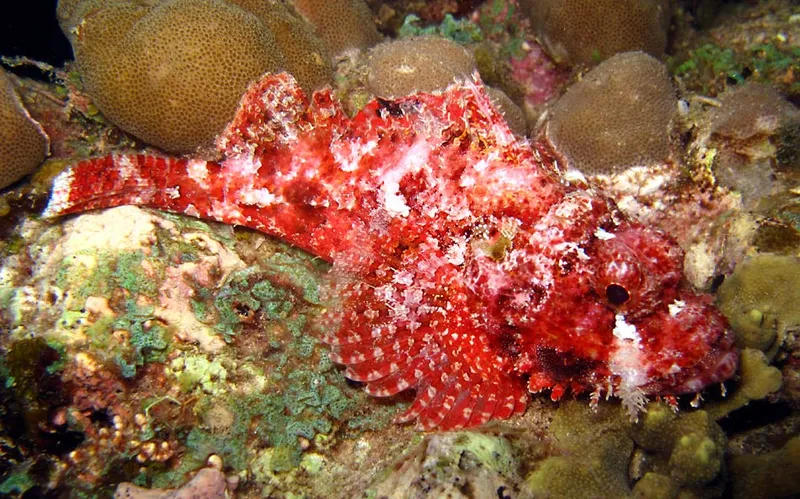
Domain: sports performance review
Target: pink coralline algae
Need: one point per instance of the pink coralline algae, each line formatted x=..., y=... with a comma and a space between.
x=463, y=269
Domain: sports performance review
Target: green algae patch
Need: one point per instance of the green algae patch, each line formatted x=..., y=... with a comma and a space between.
x=709, y=67
x=441, y=464
x=196, y=371
x=253, y=296
x=285, y=419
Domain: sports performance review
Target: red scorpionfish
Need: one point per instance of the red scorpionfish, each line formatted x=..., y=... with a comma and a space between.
x=465, y=270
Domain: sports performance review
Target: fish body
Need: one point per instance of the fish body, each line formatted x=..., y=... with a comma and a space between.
x=464, y=268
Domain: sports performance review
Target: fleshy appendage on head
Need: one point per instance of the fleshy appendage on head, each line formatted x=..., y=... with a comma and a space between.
x=614, y=318
x=463, y=268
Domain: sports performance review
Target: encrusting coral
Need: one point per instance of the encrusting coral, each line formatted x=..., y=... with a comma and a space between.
x=23, y=143
x=588, y=31
x=769, y=475
x=683, y=450
x=599, y=453
x=591, y=455
x=171, y=72
x=761, y=300
x=621, y=115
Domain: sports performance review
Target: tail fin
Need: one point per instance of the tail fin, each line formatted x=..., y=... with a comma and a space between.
x=132, y=179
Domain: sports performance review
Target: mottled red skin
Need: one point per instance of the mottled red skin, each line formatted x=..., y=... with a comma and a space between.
x=464, y=269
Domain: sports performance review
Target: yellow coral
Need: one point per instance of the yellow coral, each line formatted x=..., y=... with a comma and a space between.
x=768, y=475
x=591, y=30
x=596, y=449
x=757, y=380
x=689, y=448
x=23, y=143
x=761, y=299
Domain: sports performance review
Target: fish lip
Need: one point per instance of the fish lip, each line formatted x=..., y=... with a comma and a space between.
x=718, y=366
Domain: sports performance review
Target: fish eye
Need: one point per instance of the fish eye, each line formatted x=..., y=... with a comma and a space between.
x=617, y=295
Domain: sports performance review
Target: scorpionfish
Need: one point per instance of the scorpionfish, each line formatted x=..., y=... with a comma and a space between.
x=463, y=268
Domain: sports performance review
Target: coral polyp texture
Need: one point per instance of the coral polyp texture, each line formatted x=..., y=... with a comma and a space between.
x=620, y=115
x=589, y=31
x=23, y=143
x=171, y=72
x=422, y=64
x=463, y=268
x=341, y=24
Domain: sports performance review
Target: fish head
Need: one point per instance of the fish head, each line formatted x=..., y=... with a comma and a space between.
x=616, y=315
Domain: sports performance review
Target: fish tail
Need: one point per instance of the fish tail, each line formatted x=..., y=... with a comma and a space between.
x=132, y=179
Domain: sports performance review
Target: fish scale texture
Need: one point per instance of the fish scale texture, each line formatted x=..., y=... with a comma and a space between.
x=463, y=268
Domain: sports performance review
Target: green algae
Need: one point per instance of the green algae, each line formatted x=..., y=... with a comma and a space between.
x=307, y=407
x=246, y=293
x=196, y=371
x=98, y=273
x=130, y=275
x=458, y=30
x=148, y=338
x=708, y=62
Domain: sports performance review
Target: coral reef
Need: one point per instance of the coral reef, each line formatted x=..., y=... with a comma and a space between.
x=747, y=42
x=437, y=168
x=306, y=56
x=621, y=115
x=587, y=31
x=341, y=24
x=514, y=116
x=752, y=135
x=208, y=483
x=767, y=475
x=23, y=143
x=600, y=454
x=447, y=464
x=162, y=356
x=761, y=299
x=169, y=75
x=403, y=67
x=757, y=380
x=686, y=451
x=593, y=450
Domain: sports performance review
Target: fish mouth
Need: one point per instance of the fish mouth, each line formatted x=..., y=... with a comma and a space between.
x=717, y=366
